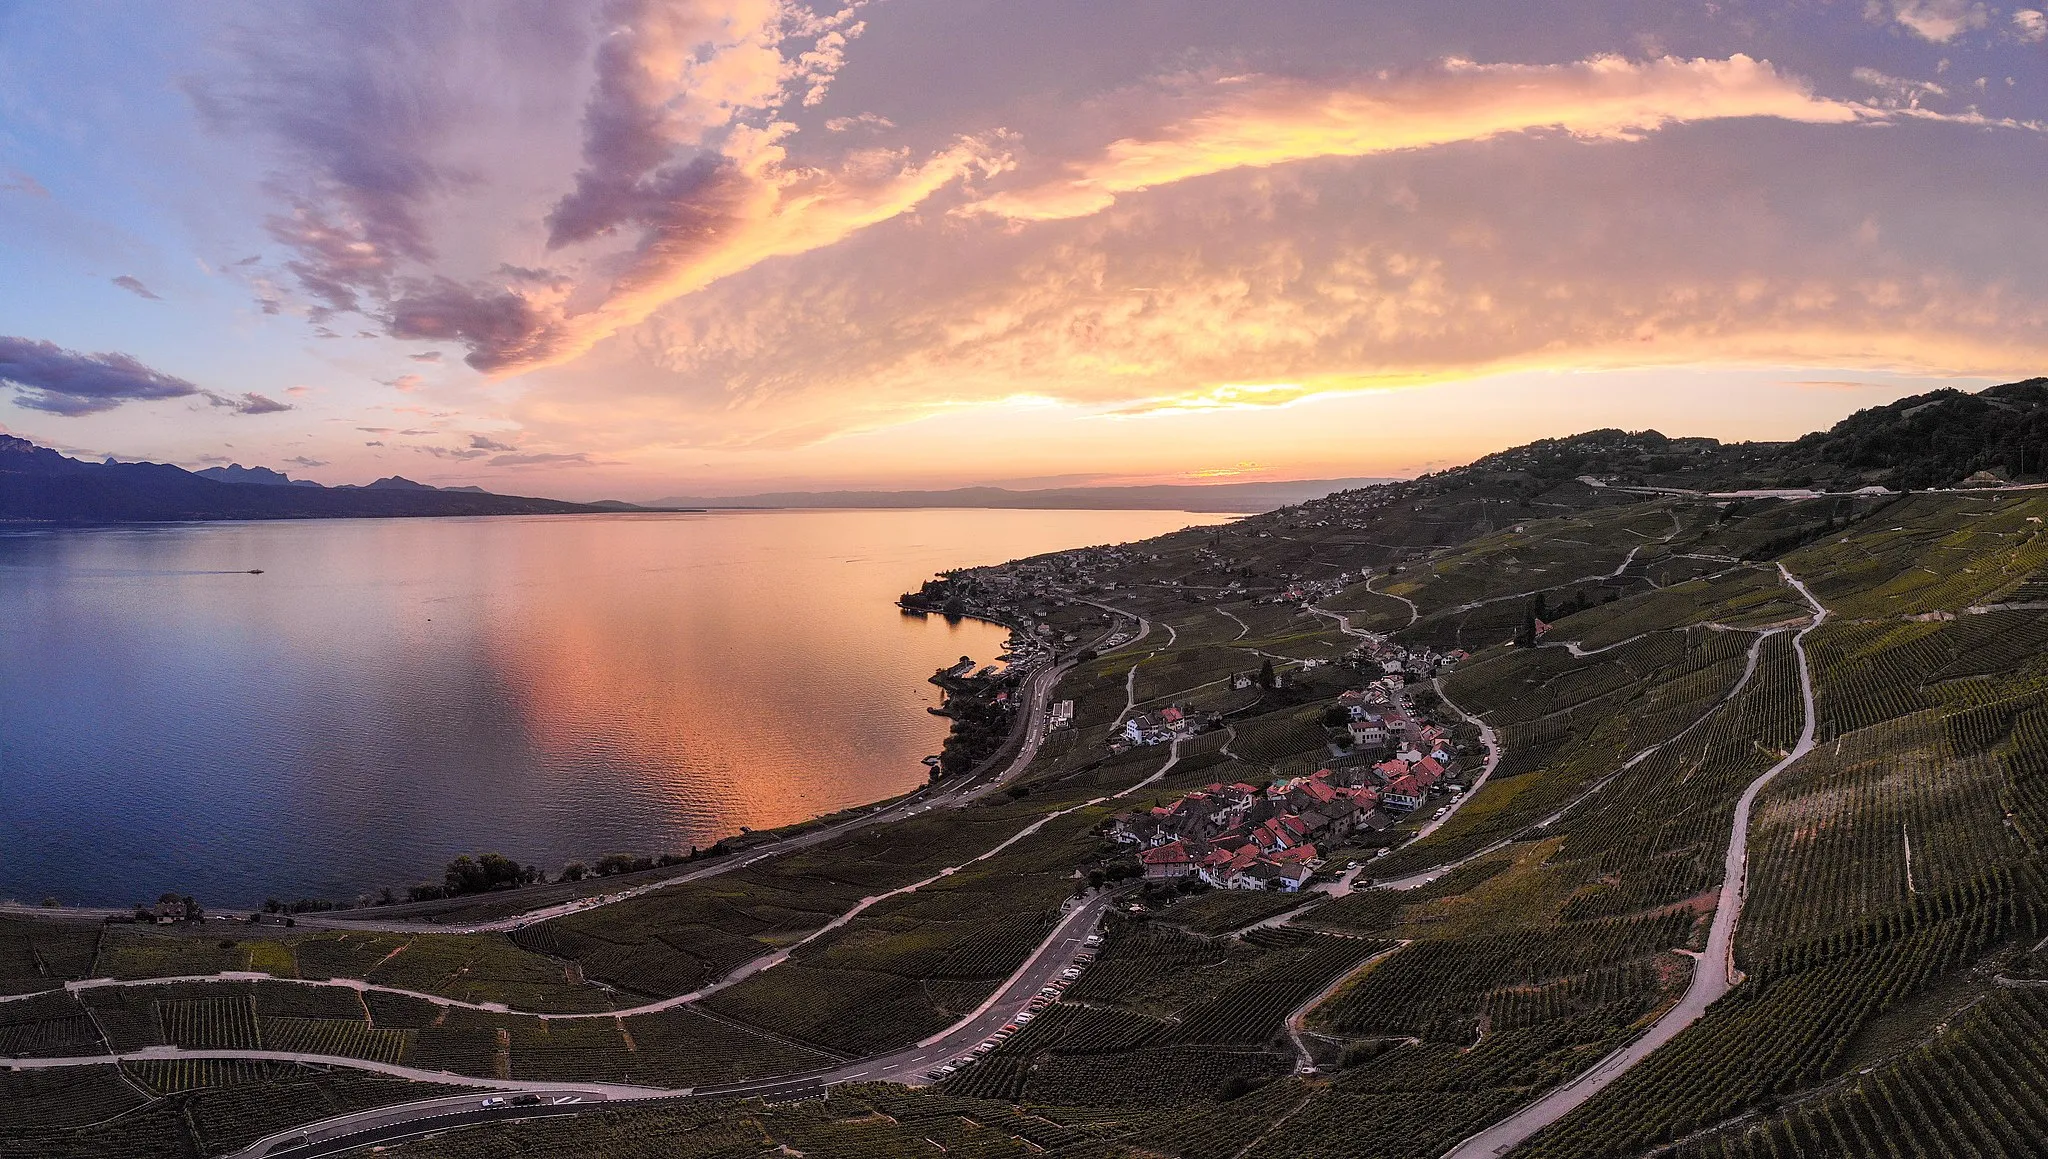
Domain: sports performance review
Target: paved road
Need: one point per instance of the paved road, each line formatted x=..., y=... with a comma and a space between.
x=1414, y=613
x=1713, y=976
x=910, y=1066
x=1486, y=738
x=733, y=977
x=1492, y=745
x=411, y=1073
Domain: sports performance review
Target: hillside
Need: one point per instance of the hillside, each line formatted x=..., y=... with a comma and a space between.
x=38, y=485
x=1931, y=440
x=1526, y=727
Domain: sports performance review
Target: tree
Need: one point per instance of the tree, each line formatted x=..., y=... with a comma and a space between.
x=1267, y=680
x=573, y=871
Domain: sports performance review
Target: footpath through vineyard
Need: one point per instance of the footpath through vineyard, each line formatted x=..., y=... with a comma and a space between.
x=1715, y=973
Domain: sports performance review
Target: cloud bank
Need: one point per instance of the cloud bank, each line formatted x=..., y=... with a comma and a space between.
x=685, y=174
x=1261, y=122
x=57, y=381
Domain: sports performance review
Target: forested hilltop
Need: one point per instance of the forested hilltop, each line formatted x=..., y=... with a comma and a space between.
x=1741, y=850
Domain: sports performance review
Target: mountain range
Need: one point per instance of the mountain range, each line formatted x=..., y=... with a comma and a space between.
x=38, y=485
x=1939, y=439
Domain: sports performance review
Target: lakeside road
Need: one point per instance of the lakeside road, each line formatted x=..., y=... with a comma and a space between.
x=1715, y=972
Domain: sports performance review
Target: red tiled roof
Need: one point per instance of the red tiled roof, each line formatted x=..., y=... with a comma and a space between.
x=1172, y=853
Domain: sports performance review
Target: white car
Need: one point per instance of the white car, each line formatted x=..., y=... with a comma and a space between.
x=494, y=1102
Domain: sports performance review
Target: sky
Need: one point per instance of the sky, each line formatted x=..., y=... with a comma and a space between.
x=637, y=248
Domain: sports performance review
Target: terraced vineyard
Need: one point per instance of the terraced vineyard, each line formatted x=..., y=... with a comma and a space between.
x=1889, y=996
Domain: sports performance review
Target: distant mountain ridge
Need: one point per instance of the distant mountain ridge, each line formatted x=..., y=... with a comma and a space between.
x=261, y=476
x=38, y=485
x=1940, y=439
x=1222, y=497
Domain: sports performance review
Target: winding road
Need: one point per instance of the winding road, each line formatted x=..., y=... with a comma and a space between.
x=1713, y=976
x=909, y=1065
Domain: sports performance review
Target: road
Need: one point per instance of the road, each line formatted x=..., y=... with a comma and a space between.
x=1414, y=613
x=1486, y=738
x=1713, y=976
x=738, y=974
x=1297, y=1021
x=910, y=1066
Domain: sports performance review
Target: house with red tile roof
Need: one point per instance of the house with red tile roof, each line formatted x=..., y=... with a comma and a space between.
x=1167, y=861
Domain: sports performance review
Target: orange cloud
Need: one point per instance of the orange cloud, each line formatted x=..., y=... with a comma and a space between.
x=1272, y=122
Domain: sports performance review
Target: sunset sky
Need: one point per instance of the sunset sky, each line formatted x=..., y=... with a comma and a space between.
x=633, y=248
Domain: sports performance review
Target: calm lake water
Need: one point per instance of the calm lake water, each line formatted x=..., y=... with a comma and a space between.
x=390, y=693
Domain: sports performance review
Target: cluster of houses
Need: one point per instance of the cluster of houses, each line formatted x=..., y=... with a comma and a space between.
x=1167, y=724
x=1241, y=836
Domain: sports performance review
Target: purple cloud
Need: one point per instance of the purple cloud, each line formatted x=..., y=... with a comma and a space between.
x=134, y=286
x=57, y=381
x=358, y=97
x=499, y=327
x=250, y=403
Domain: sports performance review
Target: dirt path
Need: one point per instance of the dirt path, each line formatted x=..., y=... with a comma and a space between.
x=1304, y=1062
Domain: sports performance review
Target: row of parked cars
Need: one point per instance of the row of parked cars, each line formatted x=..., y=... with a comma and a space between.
x=1044, y=998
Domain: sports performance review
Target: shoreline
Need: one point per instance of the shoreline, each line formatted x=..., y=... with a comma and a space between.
x=729, y=845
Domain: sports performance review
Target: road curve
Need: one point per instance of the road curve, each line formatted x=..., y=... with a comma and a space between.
x=738, y=974
x=1713, y=976
x=909, y=1065
x=1488, y=739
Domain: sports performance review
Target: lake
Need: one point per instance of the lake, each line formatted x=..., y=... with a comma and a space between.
x=390, y=693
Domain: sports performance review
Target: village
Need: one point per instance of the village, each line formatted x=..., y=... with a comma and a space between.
x=1388, y=762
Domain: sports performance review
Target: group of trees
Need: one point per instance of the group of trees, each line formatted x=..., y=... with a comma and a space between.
x=493, y=871
x=1539, y=609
